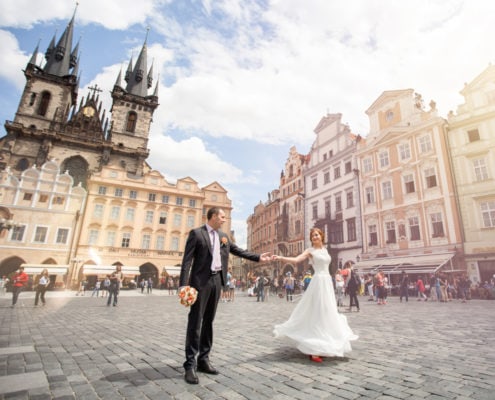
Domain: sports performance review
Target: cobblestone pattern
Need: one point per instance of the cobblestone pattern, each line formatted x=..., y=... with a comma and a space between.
x=414, y=350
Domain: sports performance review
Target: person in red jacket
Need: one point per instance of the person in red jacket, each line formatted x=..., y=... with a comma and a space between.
x=19, y=280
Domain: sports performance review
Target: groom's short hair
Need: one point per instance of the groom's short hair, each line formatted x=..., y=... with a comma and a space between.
x=211, y=212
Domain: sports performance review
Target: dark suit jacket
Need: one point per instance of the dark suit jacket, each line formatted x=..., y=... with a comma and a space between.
x=198, y=256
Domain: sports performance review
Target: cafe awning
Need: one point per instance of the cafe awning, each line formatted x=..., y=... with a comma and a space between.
x=172, y=270
x=412, y=264
x=53, y=269
x=109, y=269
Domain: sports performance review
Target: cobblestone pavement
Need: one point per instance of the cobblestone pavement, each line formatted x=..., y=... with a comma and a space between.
x=78, y=348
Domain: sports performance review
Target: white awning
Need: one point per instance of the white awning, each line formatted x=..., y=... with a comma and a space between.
x=172, y=270
x=53, y=269
x=109, y=269
x=423, y=263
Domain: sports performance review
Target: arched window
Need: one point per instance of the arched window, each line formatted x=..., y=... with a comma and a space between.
x=22, y=164
x=131, y=122
x=78, y=168
x=45, y=100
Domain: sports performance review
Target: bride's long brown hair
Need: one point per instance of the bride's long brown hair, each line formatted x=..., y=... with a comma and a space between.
x=319, y=231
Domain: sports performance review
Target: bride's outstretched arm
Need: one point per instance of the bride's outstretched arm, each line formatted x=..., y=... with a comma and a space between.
x=301, y=257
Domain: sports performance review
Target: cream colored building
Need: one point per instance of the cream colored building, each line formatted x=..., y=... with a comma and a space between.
x=409, y=210
x=472, y=144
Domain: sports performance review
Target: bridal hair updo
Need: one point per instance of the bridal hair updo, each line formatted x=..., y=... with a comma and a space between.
x=319, y=231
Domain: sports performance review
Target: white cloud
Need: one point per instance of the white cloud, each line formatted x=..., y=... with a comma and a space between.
x=13, y=60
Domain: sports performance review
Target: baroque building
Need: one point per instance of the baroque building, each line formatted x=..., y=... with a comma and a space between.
x=409, y=210
x=332, y=200
x=76, y=190
x=471, y=136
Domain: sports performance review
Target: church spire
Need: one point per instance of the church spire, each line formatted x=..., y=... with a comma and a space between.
x=137, y=79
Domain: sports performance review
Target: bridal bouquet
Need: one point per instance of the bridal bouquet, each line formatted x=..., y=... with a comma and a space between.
x=188, y=296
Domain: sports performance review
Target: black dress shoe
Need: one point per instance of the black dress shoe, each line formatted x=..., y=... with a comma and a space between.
x=191, y=377
x=207, y=368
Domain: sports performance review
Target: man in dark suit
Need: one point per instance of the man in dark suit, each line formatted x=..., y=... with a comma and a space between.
x=204, y=267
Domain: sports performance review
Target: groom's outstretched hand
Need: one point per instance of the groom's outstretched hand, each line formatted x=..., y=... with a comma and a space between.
x=265, y=257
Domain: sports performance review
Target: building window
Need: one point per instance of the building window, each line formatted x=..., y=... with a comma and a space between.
x=430, y=177
x=297, y=227
x=151, y=196
x=163, y=218
x=414, y=228
x=480, y=170
x=390, y=228
x=160, y=242
x=133, y=194
x=370, y=195
x=43, y=198
x=102, y=190
x=488, y=213
x=174, y=245
x=179, y=201
x=45, y=101
x=190, y=221
x=404, y=151
x=40, y=234
x=409, y=183
x=192, y=203
x=18, y=233
x=165, y=199
x=27, y=196
x=131, y=122
x=146, y=241
x=351, y=229
x=437, y=225
x=349, y=199
x=387, y=190
x=348, y=167
x=126, y=239
x=425, y=144
x=129, y=216
x=367, y=165
x=98, y=211
x=118, y=192
x=58, y=200
x=315, y=211
x=473, y=135
x=62, y=236
x=336, y=173
x=177, y=220
x=337, y=232
x=149, y=217
x=93, y=237
x=115, y=213
x=111, y=238
x=338, y=203
x=373, y=235
x=383, y=157
x=314, y=183
x=328, y=208
x=326, y=177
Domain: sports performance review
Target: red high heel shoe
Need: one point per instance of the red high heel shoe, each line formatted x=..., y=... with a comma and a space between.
x=316, y=359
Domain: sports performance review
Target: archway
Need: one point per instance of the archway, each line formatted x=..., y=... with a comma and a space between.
x=147, y=271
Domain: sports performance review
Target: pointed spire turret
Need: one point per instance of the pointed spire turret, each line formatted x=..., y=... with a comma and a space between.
x=128, y=73
x=136, y=83
x=118, y=82
x=34, y=56
x=155, y=93
x=150, y=76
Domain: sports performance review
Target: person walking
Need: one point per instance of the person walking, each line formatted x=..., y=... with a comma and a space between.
x=353, y=286
x=289, y=283
x=96, y=289
x=43, y=282
x=204, y=267
x=19, y=281
x=114, y=288
x=404, y=286
x=3, y=285
x=261, y=282
x=315, y=325
x=420, y=287
x=339, y=285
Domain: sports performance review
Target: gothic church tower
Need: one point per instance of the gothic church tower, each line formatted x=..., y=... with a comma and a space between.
x=49, y=125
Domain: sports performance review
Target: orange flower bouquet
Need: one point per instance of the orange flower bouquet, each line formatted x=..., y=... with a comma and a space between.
x=188, y=296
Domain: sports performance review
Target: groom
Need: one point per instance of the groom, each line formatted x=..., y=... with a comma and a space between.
x=204, y=267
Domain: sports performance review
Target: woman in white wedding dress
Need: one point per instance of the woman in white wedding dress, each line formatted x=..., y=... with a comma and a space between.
x=315, y=325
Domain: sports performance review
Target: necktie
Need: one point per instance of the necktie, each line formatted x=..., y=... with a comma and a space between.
x=217, y=261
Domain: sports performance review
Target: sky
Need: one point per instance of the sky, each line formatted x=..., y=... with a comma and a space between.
x=241, y=82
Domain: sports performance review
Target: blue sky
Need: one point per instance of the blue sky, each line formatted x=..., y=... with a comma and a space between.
x=243, y=81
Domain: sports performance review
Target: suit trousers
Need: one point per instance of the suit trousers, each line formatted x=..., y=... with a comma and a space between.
x=199, y=336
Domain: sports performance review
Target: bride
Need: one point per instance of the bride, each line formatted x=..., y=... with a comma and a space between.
x=315, y=325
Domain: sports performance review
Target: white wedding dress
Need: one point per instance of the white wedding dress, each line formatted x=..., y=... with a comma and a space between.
x=315, y=325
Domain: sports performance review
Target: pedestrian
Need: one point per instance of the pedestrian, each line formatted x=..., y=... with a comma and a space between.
x=404, y=286
x=106, y=286
x=289, y=283
x=379, y=284
x=43, y=282
x=420, y=287
x=19, y=281
x=114, y=288
x=143, y=285
x=339, y=285
x=232, y=285
x=170, y=285
x=149, y=285
x=261, y=282
x=307, y=280
x=353, y=286
x=3, y=285
x=96, y=289
x=204, y=267
x=315, y=325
